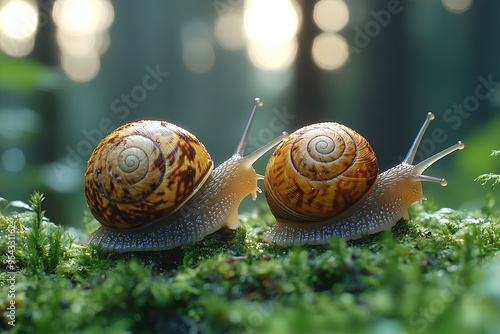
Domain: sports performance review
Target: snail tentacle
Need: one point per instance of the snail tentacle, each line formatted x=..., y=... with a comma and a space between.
x=246, y=132
x=422, y=166
x=414, y=147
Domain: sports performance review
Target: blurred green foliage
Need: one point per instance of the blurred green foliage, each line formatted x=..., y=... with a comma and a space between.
x=26, y=75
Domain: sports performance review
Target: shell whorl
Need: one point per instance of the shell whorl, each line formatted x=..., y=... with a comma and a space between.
x=319, y=172
x=144, y=171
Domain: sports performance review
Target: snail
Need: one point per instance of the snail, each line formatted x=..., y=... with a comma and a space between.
x=323, y=182
x=152, y=186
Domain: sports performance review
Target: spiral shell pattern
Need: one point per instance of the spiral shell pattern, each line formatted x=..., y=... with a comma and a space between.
x=144, y=171
x=319, y=172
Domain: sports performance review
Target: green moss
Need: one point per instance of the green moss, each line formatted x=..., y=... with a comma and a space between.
x=494, y=178
x=437, y=272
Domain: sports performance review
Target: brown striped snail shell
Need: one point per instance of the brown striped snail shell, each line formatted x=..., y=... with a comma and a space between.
x=323, y=182
x=152, y=186
x=144, y=170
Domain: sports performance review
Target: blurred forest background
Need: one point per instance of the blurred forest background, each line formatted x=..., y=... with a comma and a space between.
x=73, y=70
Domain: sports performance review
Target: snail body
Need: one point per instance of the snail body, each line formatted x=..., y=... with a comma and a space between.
x=323, y=182
x=152, y=186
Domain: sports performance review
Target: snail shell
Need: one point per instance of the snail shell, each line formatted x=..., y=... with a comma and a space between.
x=142, y=171
x=319, y=172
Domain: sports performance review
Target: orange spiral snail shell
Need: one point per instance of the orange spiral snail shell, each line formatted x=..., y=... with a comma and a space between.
x=318, y=172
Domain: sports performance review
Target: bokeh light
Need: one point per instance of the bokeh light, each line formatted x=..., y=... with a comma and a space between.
x=457, y=6
x=18, y=26
x=331, y=15
x=13, y=160
x=16, y=47
x=271, y=27
x=275, y=58
x=82, y=35
x=19, y=19
x=229, y=31
x=81, y=68
x=83, y=17
x=78, y=45
x=198, y=55
x=330, y=51
x=271, y=22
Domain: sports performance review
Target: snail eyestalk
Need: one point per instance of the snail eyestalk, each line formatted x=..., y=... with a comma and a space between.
x=442, y=181
x=252, y=157
x=243, y=141
x=413, y=149
x=422, y=166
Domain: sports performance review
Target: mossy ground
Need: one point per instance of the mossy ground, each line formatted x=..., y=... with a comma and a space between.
x=437, y=273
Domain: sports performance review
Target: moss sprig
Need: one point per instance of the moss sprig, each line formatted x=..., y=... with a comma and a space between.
x=485, y=178
x=36, y=239
x=40, y=244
